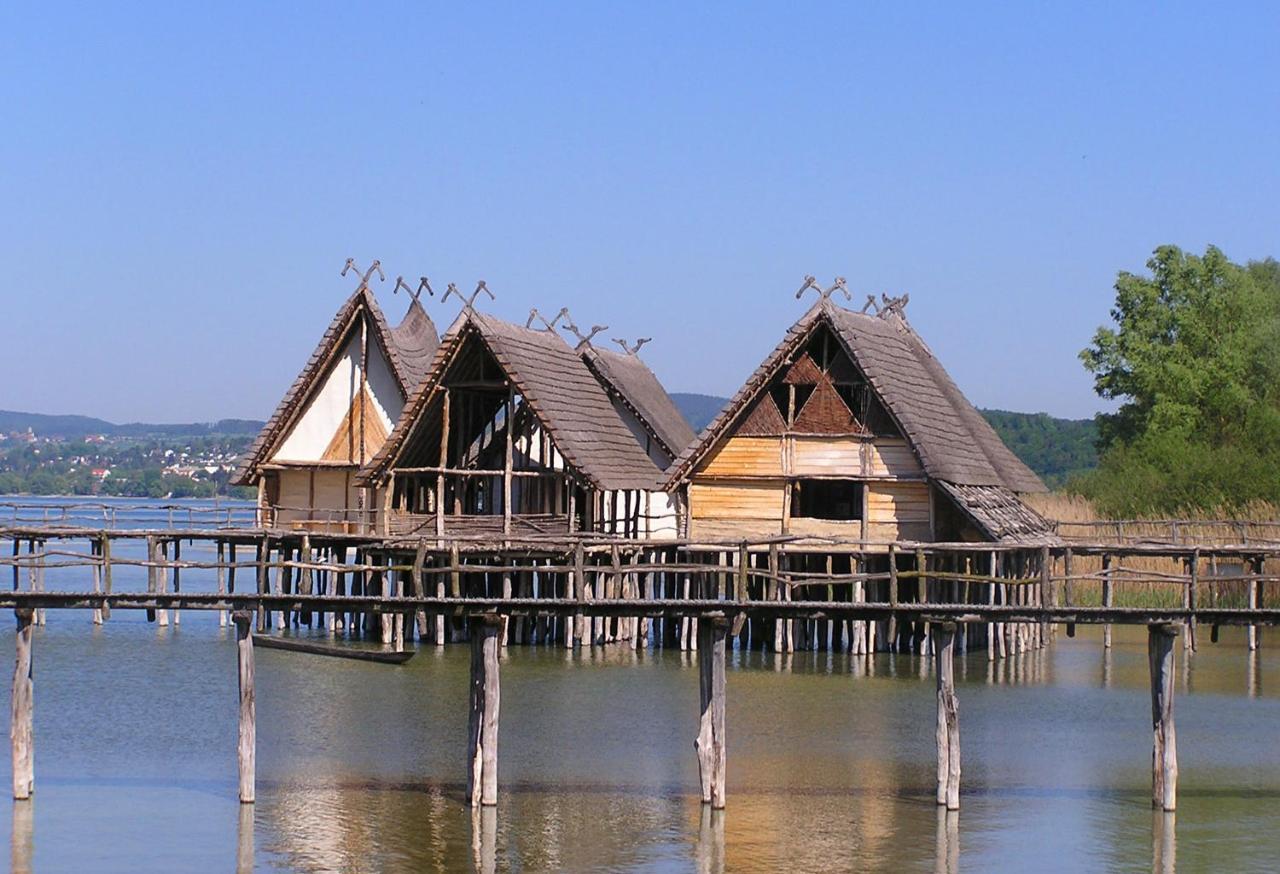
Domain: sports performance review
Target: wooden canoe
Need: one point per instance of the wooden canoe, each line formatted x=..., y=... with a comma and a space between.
x=293, y=644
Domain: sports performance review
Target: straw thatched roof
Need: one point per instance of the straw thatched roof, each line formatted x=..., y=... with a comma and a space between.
x=998, y=513
x=567, y=400
x=407, y=346
x=951, y=439
x=630, y=380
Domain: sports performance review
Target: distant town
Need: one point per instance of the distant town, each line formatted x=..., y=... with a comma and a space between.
x=59, y=456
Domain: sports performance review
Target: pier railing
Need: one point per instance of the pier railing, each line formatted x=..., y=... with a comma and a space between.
x=780, y=594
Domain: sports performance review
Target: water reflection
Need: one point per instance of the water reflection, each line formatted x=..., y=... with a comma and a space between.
x=244, y=840
x=484, y=839
x=1164, y=843
x=947, y=842
x=709, y=855
x=22, y=839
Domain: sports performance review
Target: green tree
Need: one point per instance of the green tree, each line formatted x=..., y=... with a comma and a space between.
x=1193, y=358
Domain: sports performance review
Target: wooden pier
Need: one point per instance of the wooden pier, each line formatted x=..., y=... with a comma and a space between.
x=779, y=595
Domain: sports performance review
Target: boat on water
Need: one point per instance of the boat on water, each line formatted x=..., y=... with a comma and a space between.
x=294, y=644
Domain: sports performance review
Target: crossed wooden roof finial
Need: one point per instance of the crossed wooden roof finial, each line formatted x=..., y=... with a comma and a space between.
x=825, y=293
x=549, y=326
x=583, y=341
x=468, y=303
x=632, y=350
x=422, y=283
x=364, y=279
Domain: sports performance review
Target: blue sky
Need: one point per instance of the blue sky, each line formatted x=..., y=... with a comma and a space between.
x=181, y=182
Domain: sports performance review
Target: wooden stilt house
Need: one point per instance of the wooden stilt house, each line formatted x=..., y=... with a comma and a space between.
x=336, y=416
x=852, y=429
x=511, y=434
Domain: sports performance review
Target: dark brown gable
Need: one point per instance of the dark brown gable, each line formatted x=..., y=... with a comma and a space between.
x=763, y=420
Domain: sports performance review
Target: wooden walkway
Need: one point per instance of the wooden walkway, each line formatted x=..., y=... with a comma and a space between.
x=931, y=599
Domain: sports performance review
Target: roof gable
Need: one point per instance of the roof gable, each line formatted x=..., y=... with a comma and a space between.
x=401, y=347
x=951, y=439
x=560, y=390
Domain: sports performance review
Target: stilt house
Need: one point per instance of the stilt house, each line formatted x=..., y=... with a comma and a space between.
x=512, y=434
x=852, y=429
x=336, y=416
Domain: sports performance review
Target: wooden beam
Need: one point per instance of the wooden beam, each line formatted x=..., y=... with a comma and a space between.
x=482, y=776
x=1164, y=753
x=246, y=748
x=948, y=728
x=21, y=705
x=710, y=743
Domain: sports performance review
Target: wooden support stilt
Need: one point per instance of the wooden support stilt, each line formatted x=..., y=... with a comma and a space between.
x=162, y=579
x=1108, y=597
x=1164, y=753
x=948, y=730
x=482, y=775
x=94, y=546
x=1252, y=632
x=246, y=748
x=710, y=744
x=104, y=550
x=21, y=706
x=222, y=582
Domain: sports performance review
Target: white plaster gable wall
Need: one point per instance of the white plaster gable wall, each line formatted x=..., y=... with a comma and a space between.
x=329, y=405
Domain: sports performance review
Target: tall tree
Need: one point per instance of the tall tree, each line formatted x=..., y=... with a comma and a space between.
x=1194, y=357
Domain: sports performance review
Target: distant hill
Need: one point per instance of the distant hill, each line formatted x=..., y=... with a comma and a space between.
x=73, y=427
x=698, y=410
x=1054, y=448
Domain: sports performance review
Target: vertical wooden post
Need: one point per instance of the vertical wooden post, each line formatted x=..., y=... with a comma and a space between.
x=948, y=730
x=893, y=596
x=1108, y=596
x=1164, y=753
x=162, y=579
x=710, y=744
x=580, y=580
x=104, y=550
x=177, y=579
x=1252, y=631
x=482, y=776
x=246, y=748
x=1191, y=599
x=508, y=461
x=222, y=582
x=22, y=703
x=264, y=550
x=1068, y=588
x=94, y=547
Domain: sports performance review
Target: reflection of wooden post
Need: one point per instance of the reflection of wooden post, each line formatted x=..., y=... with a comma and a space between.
x=21, y=705
x=710, y=742
x=1164, y=754
x=948, y=731
x=247, y=748
x=482, y=776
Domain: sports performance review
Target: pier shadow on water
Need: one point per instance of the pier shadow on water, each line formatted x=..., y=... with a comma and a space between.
x=831, y=761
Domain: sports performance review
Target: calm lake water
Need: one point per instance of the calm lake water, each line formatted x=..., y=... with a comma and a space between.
x=831, y=760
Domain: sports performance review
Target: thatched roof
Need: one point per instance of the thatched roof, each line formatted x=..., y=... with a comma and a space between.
x=952, y=440
x=568, y=401
x=631, y=380
x=998, y=512
x=406, y=347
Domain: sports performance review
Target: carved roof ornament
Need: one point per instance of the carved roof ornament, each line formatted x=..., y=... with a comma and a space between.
x=632, y=350
x=376, y=266
x=583, y=340
x=422, y=283
x=534, y=315
x=838, y=285
x=467, y=303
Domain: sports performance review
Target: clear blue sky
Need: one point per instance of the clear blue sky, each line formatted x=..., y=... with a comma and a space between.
x=181, y=183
